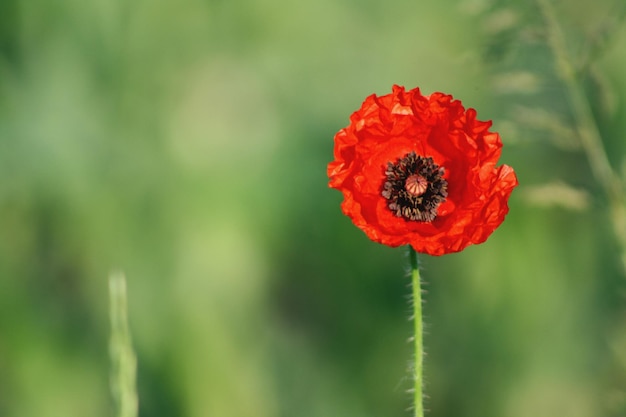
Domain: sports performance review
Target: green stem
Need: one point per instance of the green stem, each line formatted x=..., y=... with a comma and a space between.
x=417, y=320
x=123, y=359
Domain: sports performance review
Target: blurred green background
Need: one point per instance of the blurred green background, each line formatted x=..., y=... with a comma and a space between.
x=186, y=143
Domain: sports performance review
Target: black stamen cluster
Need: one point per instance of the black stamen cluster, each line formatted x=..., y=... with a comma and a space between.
x=422, y=208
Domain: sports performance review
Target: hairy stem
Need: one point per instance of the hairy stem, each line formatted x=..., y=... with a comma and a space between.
x=417, y=320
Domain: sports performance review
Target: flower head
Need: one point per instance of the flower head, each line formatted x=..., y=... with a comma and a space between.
x=421, y=170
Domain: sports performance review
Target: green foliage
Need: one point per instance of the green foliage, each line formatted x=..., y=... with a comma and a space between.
x=186, y=144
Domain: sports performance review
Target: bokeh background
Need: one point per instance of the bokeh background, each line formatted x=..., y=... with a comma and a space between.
x=186, y=144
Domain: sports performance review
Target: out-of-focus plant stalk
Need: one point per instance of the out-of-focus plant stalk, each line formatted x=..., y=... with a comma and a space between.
x=123, y=359
x=587, y=129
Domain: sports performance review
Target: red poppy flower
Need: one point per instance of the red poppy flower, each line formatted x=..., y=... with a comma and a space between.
x=421, y=170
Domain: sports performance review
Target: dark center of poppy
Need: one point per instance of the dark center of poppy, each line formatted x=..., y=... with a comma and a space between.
x=415, y=187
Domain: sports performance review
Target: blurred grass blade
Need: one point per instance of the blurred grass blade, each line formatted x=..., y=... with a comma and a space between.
x=123, y=359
